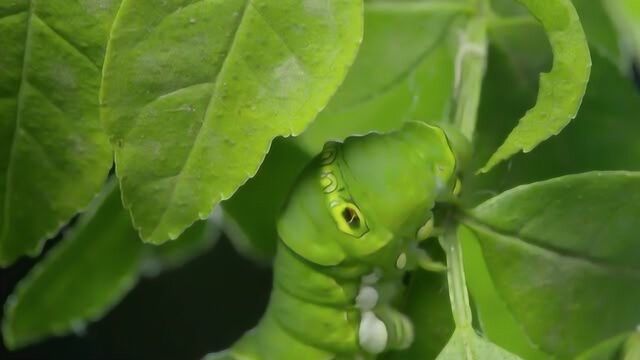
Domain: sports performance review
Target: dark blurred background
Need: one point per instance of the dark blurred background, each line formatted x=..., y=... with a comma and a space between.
x=181, y=314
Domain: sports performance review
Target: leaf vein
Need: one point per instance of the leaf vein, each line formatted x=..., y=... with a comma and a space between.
x=44, y=96
x=74, y=47
x=478, y=224
x=193, y=146
x=298, y=60
x=168, y=94
x=9, y=174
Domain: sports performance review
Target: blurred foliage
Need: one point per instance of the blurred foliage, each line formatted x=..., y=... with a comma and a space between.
x=90, y=270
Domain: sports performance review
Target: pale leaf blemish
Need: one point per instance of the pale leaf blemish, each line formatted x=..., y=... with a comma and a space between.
x=65, y=76
x=287, y=78
x=96, y=7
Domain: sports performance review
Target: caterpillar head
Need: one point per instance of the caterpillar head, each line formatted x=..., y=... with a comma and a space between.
x=368, y=196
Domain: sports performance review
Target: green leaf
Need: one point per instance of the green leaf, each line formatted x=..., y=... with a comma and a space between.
x=91, y=270
x=495, y=319
x=79, y=280
x=607, y=118
x=427, y=305
x=250, y=215
x=465, y=344
x=54, y=156
x=404, y=71
x=561, y=90
x=558, y=252
x=194, y=92
x=626, y=16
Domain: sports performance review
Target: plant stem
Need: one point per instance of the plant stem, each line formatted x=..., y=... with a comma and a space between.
x=470, y=66
x=458, y=294
x=419, y=7
x=522, y=20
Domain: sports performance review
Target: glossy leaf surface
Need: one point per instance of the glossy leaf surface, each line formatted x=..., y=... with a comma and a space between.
x=194, y=92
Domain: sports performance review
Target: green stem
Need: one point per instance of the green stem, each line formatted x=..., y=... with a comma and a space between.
x=458, y=294
x=523, y=20
x=419, y=7
x=470, y=66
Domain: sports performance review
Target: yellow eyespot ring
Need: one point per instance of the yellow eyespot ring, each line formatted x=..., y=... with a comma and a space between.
x=349, y=219
x=344, y=211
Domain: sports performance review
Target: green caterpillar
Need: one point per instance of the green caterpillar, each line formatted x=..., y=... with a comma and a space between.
x=349, y=232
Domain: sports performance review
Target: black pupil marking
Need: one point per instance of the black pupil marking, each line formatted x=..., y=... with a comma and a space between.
x=350, y=216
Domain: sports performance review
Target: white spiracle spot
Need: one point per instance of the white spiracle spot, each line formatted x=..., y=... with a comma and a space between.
x=401, y=262
x=367, y=298
x=372, y=334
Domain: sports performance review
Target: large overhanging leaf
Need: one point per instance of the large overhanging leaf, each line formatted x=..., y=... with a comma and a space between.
x=559, y=251
x=53, y=154
x=561, y=90
x=194, y=92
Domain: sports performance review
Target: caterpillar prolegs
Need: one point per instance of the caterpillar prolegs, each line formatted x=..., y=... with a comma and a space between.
x=348, y=234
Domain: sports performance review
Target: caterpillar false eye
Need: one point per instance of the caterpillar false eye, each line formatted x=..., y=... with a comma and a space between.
x=349, y=219
x=351, y=216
